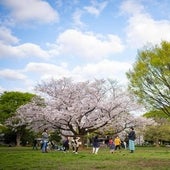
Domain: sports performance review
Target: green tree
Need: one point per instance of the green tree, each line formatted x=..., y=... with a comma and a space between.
x=9, y=103
x=149, y=78
x=10, y=137
x=158, y=134
x=159, y=116
x=55, y=136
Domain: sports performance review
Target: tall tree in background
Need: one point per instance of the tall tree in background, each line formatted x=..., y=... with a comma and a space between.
x=9, y=103
x=78, y=108
x=149, y=79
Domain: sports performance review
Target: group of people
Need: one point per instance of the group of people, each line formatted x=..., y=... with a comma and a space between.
x=74, y=143
x=65, y=146
x=117, y=143
x=113, y=144
x=130, y=141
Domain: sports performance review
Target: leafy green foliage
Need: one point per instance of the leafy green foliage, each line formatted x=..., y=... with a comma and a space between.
x=157, y=114
x=149, y=79
x=10, y=137
x=158, y=133
x=11, y=101
x=55, y=136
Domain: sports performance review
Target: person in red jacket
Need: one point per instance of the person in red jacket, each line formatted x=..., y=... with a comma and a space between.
x=111, y=145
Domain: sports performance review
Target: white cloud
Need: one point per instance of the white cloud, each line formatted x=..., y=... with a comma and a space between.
x=13, y=75
x=2, y=89
x=86, y=45
x=96, y=8
x=142, y=28
x=77, y=18
x=21, y=51
x=7, y=37
x=71, y=43
x=101, y=70
x=131, y=7
x=48, y=71
x=32, y=10
x=45, y=71
x=45, y=68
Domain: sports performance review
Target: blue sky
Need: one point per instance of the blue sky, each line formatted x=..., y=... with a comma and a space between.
x=81, y=39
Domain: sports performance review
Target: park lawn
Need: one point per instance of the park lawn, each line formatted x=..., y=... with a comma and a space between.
x=144, y=158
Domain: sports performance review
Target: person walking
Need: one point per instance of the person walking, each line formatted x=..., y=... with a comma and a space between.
x=96, y=145
x=45, y=139
x=132, y=137
x=117, y=143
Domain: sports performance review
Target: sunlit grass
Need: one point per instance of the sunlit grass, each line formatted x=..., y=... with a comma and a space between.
x=144, y=158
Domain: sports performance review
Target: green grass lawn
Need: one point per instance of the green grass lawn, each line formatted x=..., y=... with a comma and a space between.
x=144, y=158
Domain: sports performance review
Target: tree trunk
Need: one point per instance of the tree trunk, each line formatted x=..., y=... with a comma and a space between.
x=18, y=139
x=157, y=143
x=83, y=139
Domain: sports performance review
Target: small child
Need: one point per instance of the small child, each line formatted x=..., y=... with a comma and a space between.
x=111, y=145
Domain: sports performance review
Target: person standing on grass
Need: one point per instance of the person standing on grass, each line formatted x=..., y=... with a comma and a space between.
x=107, y=141
x=96, y=145
x=124, y=144
x=75, y=144
x=117, y=142
x=126, y=141
x=66, y=145
x=45, y=140
x=111, y=145
x=35, y=144
x=132, y=137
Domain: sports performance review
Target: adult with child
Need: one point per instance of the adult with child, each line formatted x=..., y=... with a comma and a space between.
x=132, y=137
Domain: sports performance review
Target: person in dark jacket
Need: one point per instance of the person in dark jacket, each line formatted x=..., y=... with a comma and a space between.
x=132, y=137
x=66, y=144
x=35, y=144
x=96, y=145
